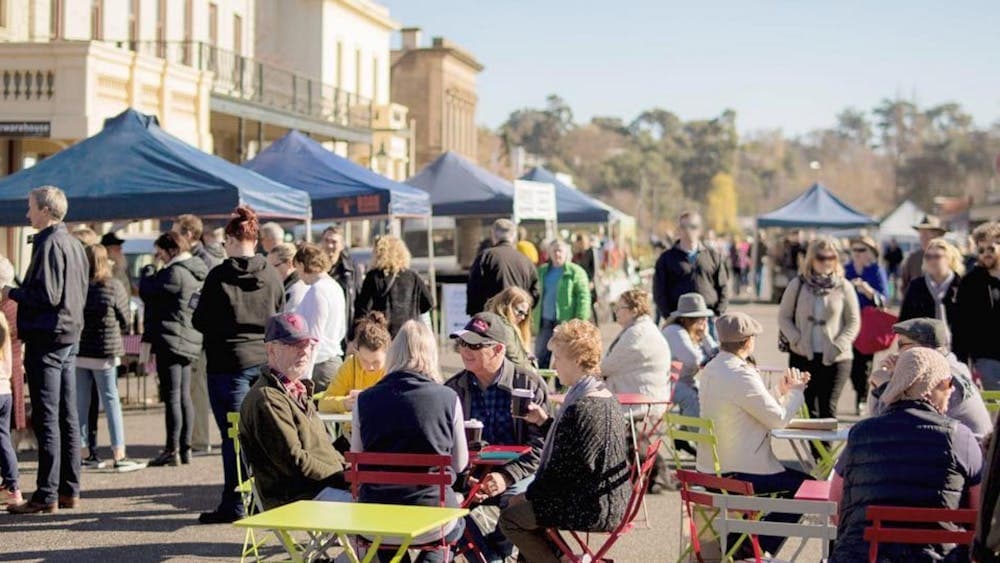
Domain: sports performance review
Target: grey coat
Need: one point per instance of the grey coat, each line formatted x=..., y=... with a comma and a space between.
x=841, y=320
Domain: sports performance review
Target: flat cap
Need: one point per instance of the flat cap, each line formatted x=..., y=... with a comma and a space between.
x=932, y=333
x=733, y=327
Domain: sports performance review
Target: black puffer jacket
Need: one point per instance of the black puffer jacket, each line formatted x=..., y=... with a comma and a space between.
x=400, y=297
x=105, y=316
x=167, y=296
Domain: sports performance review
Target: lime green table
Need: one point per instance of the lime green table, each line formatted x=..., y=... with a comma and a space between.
x=341, y=519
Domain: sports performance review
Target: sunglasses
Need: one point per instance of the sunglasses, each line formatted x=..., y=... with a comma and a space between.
x=691, y=227
x=934, y=256
x=859, y=249
x=826, y=257
x=474, y=347
x=521, y=313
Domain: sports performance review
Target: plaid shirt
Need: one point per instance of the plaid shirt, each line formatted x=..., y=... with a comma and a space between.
x=492, y=407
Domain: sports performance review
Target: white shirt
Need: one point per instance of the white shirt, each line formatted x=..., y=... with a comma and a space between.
x=744, y=412
x=325, y=311
x=294, y=295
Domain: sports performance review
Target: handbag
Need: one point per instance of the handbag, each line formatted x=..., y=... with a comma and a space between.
x=784, y=345
x=876, y=330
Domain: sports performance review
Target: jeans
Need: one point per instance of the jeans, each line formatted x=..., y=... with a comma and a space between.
x=175, y=390
x=8, y=457
x=825, y=383
x=784, y=485
x=542, y=343
x=49, y=368
x=201, y=416
x=90, y=437
x=105, y=381
x=989, y=372
x=226, y=392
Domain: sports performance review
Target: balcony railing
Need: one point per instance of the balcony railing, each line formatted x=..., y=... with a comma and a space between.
x=262, y=83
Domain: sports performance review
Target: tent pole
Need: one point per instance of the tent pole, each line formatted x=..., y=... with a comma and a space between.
x=753, y=260
x=309, y=223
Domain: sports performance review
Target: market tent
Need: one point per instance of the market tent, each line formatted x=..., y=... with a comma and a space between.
x=133, y=169
x=899, y=224
x=339, y=188
x=459, y=188
x=572, y=205
x=816, y=208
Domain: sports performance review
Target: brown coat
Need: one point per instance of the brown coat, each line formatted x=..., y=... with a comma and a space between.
x=842, y=318
x=287, y=448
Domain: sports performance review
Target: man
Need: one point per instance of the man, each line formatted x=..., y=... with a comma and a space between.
x=282, y=257
x=979, y=308
x=192, y=229
x=928, y=229
x=499, y=267
x=343, y=271
x=484, y=387
x=284, y=440
x=965, y=403
x=271, y=234
x=691, y=267
x=565, y=295
x=119, y=264
x=49, y=321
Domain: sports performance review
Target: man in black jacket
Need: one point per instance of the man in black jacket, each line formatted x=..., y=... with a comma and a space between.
x=979, y=308
x=499, y=267
x=343, y=272
x=49, y=321
x=690, y=267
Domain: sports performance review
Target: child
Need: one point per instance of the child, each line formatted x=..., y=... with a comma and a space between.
x=9, y=491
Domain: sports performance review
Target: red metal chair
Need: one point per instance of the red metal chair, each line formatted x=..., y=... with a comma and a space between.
x=696, y=495
x=640, y=482
x=878, y=515
x=427, y=470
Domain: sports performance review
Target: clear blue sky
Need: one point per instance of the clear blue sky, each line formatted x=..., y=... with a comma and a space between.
x=791, y=64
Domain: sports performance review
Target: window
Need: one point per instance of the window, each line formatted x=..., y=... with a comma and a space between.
x=237, y=34
x=55, y=19
x=213, y=24
x=133, y=23
x=97, y=19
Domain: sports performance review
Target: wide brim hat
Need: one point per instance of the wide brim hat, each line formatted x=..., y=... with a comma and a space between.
x=931, y=223
x=867, y=241
x=690, y=306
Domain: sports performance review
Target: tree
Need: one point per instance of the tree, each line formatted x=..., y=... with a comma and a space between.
x=853, y=125
x=721, y=203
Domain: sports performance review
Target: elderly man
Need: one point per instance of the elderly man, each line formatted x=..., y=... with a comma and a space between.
x=691, y=266
x=499, y=267
x=565, y=295
x=285, y=441
x=49, y=321
x=485, y=387
x=119, y=264
x=965, y=403
x=928, y=229
x=271, y=235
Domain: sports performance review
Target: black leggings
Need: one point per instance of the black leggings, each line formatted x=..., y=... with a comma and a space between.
x=825, y=383
x=175, y=391
x=861, y=368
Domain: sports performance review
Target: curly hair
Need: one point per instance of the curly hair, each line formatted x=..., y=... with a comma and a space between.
x=390, y=255
x=580, y=340
x=372, y=331
x=952, y=254
x=312, y=258
x=637, y=301
x=987, y=231
x=506, y=304
x=244, y=226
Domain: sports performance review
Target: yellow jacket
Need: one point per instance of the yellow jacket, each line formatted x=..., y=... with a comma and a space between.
x=350, y=377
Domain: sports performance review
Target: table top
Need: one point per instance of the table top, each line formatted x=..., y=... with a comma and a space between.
x=512, y=453
x=354, y=518
x=335, y=416
x=838, y=435
x=625, y=399
x=813, y=490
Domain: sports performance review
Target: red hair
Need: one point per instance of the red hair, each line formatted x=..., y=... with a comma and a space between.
x=244, y=226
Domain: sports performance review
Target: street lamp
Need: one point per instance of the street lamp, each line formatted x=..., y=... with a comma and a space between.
x=380, y=161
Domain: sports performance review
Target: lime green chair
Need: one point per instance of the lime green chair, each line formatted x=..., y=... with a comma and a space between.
x=695, y=431
x=992, y=401
x=827, y=454
x=250, y=502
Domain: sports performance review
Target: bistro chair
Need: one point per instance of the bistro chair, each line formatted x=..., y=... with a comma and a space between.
x=734, y=512
x=992, y=401
x=697, y=500
x=695, y=431
x=877, y=533
x=251, y=502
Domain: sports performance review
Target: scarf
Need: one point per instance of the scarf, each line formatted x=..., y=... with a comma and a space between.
x=587, y=385
x=820, y=284
x=295, y=389
x=938, y=292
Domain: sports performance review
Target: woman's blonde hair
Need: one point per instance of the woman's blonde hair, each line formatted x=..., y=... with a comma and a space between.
x=955, y=263
x=637, y=301
x=100, y=266
x=506, y=303
x=581, y=341
x=819, y=245
x=391, y=255
x=414, y=349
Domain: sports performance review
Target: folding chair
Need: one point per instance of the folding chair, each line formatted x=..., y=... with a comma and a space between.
x=251, y=504
x=696, y=498
x=878, y=515
x=695, y=431
x=827, y=454
x=734, y=509
x=992, y=401
x=640, y=482
x=373, y=468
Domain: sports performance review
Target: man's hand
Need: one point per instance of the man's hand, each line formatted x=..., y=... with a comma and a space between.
x=536, y=415
x=494, y=484
x=793, y=380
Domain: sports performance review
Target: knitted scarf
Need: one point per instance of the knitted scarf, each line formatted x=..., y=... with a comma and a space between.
x=587, y=385
x=821, y=284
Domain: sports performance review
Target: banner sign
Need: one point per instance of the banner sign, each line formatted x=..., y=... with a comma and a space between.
x=25, y=128
x=534, y=200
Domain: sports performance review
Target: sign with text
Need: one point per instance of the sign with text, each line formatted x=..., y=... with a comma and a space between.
x=25, y=128
x=453, y=315
x=534, y=200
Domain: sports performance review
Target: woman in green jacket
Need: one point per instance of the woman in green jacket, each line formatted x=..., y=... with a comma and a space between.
x=564, y=291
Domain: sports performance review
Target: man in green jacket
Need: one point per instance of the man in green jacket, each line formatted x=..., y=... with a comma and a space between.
x=565, y=294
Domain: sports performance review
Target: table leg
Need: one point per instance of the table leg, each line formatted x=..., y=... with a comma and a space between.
x=801, y=449
x=291, y=547
x=352, y=556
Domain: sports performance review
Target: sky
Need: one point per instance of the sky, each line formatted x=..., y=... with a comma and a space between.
x=788, y=64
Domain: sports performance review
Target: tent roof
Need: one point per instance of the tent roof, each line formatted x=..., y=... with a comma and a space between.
x=133, y=169
x=817, y=207
x=460, y=188
x=338, y=187
x=899, y=223
x=572, y=205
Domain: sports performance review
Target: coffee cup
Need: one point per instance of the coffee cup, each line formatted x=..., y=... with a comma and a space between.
x=519, y=401
x=473, y=431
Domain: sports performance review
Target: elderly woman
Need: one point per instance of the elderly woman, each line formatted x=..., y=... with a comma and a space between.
x=391, y=287
x=564, y=294
x=819, y=319
x=513, y=305
x=582, y=481
x=934, y=295
x=409, y=411
x=940, y=458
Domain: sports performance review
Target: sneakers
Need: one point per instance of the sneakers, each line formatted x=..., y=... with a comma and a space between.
x=93, y=462
x=126, y=465
x=10, y=497
x=172, y=459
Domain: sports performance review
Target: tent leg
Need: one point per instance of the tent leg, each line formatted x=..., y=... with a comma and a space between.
x=309, y=230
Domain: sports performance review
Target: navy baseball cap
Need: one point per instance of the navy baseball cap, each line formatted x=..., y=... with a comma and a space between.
x=483, y=328
x=287, y=328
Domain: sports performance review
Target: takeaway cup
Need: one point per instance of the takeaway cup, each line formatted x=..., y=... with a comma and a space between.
x=519, y=401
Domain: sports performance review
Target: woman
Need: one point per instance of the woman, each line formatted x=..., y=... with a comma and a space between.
x=238, y=297
x=391, y=287
x=325, y=311
x=19, y=419
x=513, y=305
x=105, y=316
x=940, y=459
x=10, y=491
x=935, y=294
x=282, y=258
x=819, y=318
x=167, y=294
x=692, y=345
x=409, y=411
x=564, y=294
x=582, y=482
x=872, y=285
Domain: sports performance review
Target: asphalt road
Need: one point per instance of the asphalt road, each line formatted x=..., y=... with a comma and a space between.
x=151, y=515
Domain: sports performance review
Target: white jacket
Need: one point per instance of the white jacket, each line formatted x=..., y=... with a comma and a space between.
x=325, y=311
x=734, y=397
x=638, y=361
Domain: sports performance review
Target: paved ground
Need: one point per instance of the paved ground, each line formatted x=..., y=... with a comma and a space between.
x=150, y=515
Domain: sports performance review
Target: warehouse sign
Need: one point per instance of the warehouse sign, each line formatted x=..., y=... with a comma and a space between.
x=25, y=128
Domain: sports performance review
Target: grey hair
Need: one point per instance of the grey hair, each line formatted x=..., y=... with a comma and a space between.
x=561, y=243
x=273, y=231
x=53, y=199
x=414, y=349
x=285, y=252
x=504, y=230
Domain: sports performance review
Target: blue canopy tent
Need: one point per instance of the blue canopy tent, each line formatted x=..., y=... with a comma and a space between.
x=572, y=205
x=132, y=169
x=459, y=188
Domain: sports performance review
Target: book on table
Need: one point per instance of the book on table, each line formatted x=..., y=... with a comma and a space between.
x=812, y=424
